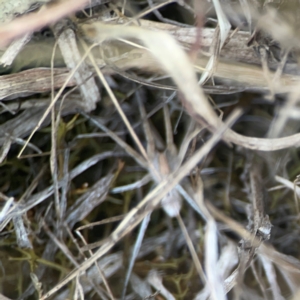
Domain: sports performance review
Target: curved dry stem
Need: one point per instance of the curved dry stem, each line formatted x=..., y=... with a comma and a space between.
x=174, y=60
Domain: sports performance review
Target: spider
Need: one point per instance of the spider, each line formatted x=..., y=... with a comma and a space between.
x=159, y=165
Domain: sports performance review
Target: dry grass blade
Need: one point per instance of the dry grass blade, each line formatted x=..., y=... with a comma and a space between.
x=66, y=40
x=46, y=113
x=21, y=232
x=135, y=252
x=192, y=249
x=92, y=198
x=155, y=279
x=13, y=50
x=33, y=81
x=141, y=287
x=214, y=280
x=223, y=22
x=271, y=275
x=219, y=40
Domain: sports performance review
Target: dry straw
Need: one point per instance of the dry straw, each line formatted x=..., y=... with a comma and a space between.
x=132, y=48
